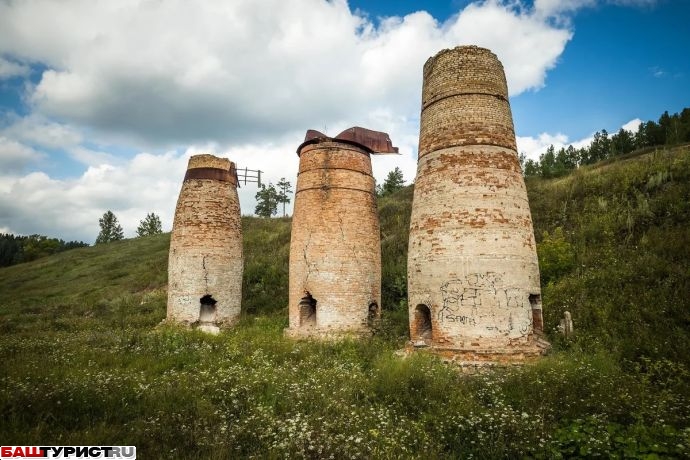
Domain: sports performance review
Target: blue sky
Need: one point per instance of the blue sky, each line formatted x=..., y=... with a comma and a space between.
x=621, y=64
x=102, y=103
x=625, y=61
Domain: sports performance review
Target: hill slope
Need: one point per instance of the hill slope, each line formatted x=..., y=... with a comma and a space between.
x=614, y=247
x=82, y=363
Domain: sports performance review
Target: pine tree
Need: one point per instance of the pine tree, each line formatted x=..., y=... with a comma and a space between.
x=394, y=181
x=150, y=225
x=531, y=168
x=622, y=142
x=547, y=162
x=110, y=229
x=284, y=188
x=266, y=201
x=600, y=148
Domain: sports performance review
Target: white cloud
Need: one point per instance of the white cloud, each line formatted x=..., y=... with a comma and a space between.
x=15, y=157
x=550, y=8
x=70, y=209
x=633, y=125
x=532, y=147
x=91, y=157
x=557, y=8
x=37, y=130
x=175, y=72
x=526, y=44
x=9, y=69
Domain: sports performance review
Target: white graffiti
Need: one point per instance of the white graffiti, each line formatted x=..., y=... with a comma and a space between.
x=473, y=301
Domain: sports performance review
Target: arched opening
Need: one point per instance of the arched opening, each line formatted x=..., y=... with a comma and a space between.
x=207, y=313
x=307, y=310
x=373, y=314
x=422, y=322
x=537, y=319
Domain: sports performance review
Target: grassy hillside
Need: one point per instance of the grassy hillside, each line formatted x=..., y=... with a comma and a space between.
x=81, y=361
x=614, y=247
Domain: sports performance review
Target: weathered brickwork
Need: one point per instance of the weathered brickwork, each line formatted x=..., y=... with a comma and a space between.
x=205, y=261
x=335, y=249
x=473, y=277
x=467, y=119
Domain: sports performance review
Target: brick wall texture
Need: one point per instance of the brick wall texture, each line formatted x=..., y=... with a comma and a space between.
x=206, y=244
x=335, y=248
x=473, y=277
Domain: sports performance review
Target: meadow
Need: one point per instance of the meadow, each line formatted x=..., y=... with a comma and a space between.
x=85, y=361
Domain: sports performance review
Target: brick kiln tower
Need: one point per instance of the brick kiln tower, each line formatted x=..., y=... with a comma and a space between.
x=473, y=277
x=335, y=250
x=205, y=261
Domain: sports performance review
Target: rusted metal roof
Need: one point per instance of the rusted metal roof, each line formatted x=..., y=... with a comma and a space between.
x=222, y=175
x=314, y=134
x=374, y=142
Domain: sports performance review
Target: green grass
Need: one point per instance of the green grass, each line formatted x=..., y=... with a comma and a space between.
x=82, y=361
x=622, y=267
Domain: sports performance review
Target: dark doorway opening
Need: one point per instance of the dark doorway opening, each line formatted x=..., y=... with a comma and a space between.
x=307, y=310
x=374, y=314
x=537, y=318
x=422, y=322
x=207, y=314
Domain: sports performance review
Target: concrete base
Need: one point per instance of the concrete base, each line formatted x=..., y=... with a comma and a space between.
x=209, y=328
x=326, y=334
x=484, y=353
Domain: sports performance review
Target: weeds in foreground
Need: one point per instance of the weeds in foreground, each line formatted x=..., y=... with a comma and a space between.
x=249, y=392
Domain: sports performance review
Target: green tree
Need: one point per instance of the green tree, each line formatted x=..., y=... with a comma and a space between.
x=266, y=201
x=600, y=148
x=572, y=157
x=150, y=225
x=655, y=134
x=666, y=122
x=531, y=168
x=565, y=161
x=10, y=249
x=110, y=229
x=37, y=246
x=284, y=188
x=640, y=137
x=622, y=142
x=547, y=162
x=18, y=249
x=684, y=120
x=394, y=181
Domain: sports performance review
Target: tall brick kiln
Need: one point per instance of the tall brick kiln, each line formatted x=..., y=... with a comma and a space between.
x=335, y=250
x=205, y=261
x=473, y=277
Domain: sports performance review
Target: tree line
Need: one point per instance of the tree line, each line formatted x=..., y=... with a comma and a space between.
x=668, y=130
x=15, y=249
